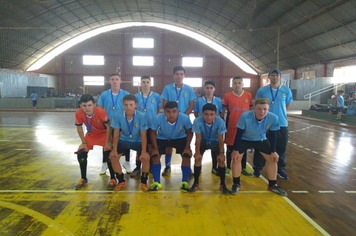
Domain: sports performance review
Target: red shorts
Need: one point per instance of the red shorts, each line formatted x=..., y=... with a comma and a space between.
x=97, y=139
x=230, y=136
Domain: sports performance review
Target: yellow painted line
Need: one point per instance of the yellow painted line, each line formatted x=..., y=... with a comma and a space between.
x=326, y=191
x=23, y=149
x=299, y=191
x=350, y=191
x=109, y=191
x=54, y=228
x=5, y=140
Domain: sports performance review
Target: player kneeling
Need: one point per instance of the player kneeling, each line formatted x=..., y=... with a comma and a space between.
x=130, y=129
x=251, y=133
x=209, y=130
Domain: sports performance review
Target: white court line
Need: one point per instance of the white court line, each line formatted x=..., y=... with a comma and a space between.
x=299, y=191
x=315, y=152
x=307, y=149
x=326, y=191
x=354, y=168
x=300, y=146
x=323, y=155
x=350, y=191
x=22, y=149
x=321, y=127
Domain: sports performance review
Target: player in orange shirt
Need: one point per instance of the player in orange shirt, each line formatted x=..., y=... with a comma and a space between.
x=99, y=133
x=236, y=102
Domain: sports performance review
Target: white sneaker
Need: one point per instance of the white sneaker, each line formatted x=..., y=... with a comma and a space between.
x=103, y=168
x=127, y=167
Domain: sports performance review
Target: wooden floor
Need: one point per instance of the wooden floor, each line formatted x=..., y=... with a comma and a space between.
x=39, y=171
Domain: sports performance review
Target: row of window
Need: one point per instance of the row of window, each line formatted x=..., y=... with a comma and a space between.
x=193, y=82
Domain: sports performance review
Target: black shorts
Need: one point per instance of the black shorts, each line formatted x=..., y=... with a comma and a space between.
x=123, y=146
x=259, y=146
x=178, y=144
x=148, y=136
x=212, y=145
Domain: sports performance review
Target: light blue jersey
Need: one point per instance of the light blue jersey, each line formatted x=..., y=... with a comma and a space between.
x=183, y=95
x=167, y=131
x=341, y=101
x=351, y=110
x=277, y=101
x=256, y=130
x=209, y=132
x=33, y=96
x=202, y=101
x=148, y=105
x=109, y=101
x=130, y=131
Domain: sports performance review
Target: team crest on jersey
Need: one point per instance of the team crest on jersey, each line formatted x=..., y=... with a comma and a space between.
x=180, y=128
x=97, y=121
x=246, y=100
x=267, y=126
x=283, y=95
x=136, y=125
x=227, y=139
x=153, y=100
x=185, y=95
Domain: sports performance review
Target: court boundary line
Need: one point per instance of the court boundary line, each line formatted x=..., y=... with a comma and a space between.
x=116, y=192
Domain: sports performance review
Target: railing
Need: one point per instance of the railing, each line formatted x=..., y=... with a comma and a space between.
x=320, y=91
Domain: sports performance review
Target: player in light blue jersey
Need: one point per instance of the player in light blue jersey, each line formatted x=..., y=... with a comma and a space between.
x=252, y=127
x=149, y=103
x=209, y=130
x=185, y=96
x=111, y=100
x=209, y=89
x=340, y=104
x=280, y=98
x=130, y=132
x=171, y=129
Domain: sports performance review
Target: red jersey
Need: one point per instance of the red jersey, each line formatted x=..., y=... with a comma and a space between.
x=94, y=123
x=236, y=105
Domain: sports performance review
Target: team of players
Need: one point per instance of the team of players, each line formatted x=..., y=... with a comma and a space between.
x=137, y=126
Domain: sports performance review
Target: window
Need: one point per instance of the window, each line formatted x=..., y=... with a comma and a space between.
x=93, y=80
x=137, y=81
x=192, y=61
x=143, y=43
x=194, y=82
x=246, y=81
x=93, y=60
x=142, y=61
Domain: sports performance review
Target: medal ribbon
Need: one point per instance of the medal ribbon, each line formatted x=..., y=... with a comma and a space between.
x=262, y=128
x=178, y=94
x=207, y=135
x=87, y=123
x=175, y=125
x=143, y=100
x=274, y=96
x=117, y=97
x=132, y=124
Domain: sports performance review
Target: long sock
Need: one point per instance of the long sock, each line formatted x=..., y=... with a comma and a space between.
x=185, y=173
x=156, y=169
x=82, y=160
x=222, y=175
x=107, y=159
x=138, y=162
x=197, y=170
x=236, y=180
x=120, y=177
x=144, y=178
x=272, y=182
x=127, y=155
x=228, y=157
x=244, y=160
x=214, y=160
x=168, y=159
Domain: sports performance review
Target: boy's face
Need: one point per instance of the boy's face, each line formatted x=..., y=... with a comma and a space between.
x=209, y=116
x=115, y=81
x=275, y=78
x=261, y=111
x=129, y=106
x=209, y=89
x=171, y=114
x=145, y=83
x=88, y=107
x=237, y=84
x=178, y=77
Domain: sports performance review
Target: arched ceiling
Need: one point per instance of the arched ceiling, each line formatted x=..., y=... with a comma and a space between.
x=263, y=33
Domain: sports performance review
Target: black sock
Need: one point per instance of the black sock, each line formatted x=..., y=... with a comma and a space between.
x=272, y=182
x=244, y=160
x=127, y=155
x=144, y=178
x=120, y=177
x=222, y=175
x=214, y=160
x=228, y=157
x=138, y=164
x=107, y=160
x=197, y=170
x=237, y=180
x=82, y=159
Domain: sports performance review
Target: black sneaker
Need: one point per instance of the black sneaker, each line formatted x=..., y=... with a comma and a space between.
x=224, y=190
x=257, y=173
x=278, y=190
x=235, y=189
x=166, y=171
x=194, y=188
x=135, y=172
x=215, y=171
x=281, y=174
x=191, y=172
x=81, y=184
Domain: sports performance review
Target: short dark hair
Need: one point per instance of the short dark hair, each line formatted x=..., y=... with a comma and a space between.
x=175, y=69
x=209, y=107
x=171, y=104
x=86, y=98
x=340, y=91
x=129, y=97
x=237, y=77
x=209, y=82
x=145, y=77
x=261, y=101
x=113, y=74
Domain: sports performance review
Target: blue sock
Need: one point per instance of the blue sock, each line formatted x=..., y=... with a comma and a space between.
x=156, y=169
x=185, y=172
x=168, y=158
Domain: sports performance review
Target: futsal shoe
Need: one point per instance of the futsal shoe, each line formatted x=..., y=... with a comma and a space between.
x=278, y=190
x=191, y=173
x=194, y=188
x=224, y=190
x=235, y=189
x=166, y=171
x=112, y=184
x=155, y=186
x=127, y=167
x=104, y=166
x=227, y=172
x=257, y=173
x=120, y=186
x=281, y=174
x=246, y=172
x=135, y=172
x=145, y=187
x=184, y=187
x=215, y=171
x=81, y=184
